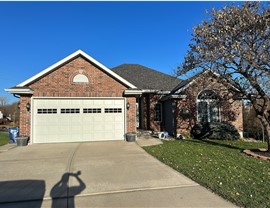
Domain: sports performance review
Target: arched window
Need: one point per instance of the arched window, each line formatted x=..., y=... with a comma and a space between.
x=208, y=107
x=80, y=78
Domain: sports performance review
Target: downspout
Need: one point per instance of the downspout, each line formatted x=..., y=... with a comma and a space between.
x=16, y=96
x=148, y=113
x=174, y=121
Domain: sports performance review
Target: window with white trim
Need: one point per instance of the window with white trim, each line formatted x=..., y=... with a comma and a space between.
x=158, y=112
x=208, y=109
x=80, y=78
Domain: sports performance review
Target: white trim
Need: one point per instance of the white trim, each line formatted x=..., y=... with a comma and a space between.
x=163, y=92
x=19, y=91
x=80, y=78
x=149, y=91
x=132, y=92
x=31, y=120
x=125, y=118
x=107, y=98
x=160, y=92
x=173, y=97
x=194, y=80
x=71, y=56
x=208, y=101
x=190, y=83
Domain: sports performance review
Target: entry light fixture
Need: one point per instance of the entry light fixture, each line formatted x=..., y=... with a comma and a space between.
x=128, y=106
x=28, y=106
x=19, y=105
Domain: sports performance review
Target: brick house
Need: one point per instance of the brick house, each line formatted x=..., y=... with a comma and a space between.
x=79, y=99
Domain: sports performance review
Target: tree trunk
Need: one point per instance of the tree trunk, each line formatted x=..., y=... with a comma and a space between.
x=266, y=128
x=267, y=136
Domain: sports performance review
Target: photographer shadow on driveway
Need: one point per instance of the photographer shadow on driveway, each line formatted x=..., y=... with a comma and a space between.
x=63, y=194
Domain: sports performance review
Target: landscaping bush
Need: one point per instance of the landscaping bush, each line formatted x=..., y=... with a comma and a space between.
x=215, y=130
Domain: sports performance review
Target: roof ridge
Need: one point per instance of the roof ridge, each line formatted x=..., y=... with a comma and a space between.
x=148, y=69
x=146, y=78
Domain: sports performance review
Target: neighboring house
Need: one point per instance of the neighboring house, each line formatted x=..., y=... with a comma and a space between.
x=79, y=99
x=1, y=115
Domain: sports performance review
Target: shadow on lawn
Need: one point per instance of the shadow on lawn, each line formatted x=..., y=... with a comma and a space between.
x=216, y=144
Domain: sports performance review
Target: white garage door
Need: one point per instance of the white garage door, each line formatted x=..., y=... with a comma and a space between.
x=73, y=120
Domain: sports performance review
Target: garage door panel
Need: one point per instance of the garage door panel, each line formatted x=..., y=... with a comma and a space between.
x=118, y=119
x=71, y=120
x=109, y=127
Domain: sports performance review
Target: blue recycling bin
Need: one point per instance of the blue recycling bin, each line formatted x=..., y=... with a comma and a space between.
x=13, y=133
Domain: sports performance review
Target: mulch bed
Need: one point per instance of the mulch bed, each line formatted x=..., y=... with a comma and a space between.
x=258, y=153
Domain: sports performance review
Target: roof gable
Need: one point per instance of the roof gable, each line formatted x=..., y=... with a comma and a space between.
x=186, y=83
x=189, y=82
x=70, y=57
x=145, y=78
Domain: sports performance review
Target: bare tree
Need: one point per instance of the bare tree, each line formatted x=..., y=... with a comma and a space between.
x=3, y=101
x=235, y=42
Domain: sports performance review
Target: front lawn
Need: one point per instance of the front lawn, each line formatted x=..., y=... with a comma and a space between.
x=4, y=138
x=221, y=167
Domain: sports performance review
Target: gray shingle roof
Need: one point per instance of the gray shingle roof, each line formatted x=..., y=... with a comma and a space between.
x=145, y=78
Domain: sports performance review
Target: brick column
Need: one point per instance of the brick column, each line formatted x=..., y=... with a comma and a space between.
x=131, y=115
x=25, y=116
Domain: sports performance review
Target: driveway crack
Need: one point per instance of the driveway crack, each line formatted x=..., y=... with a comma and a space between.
x=69, y=168
x=71, y=158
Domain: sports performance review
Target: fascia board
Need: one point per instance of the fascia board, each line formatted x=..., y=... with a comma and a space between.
x=19, y=91
x=194, y=80
x=169, y=97
x=132, y=92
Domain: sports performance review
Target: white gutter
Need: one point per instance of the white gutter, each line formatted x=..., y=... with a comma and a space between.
x=132, y=92
x=20, y=91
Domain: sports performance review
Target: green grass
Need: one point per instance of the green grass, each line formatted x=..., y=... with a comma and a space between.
x=221, y=167
x=4, y=138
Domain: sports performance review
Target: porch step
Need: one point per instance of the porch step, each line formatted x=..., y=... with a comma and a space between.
x=141, y=132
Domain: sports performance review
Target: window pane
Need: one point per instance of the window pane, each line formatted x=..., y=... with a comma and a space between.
x=158, y=113
x=214, y=112
x=208, y=106
x=202, y=112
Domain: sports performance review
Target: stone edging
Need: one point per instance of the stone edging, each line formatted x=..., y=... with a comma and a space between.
x=253, y=154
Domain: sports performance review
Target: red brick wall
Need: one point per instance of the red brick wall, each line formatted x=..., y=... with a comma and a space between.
x=59, y=84
x=154, y=125
x=131, y=115
x=25, y=116
x=149, y=102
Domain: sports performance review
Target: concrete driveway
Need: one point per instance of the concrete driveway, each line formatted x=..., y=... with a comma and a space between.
x=95, y=174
